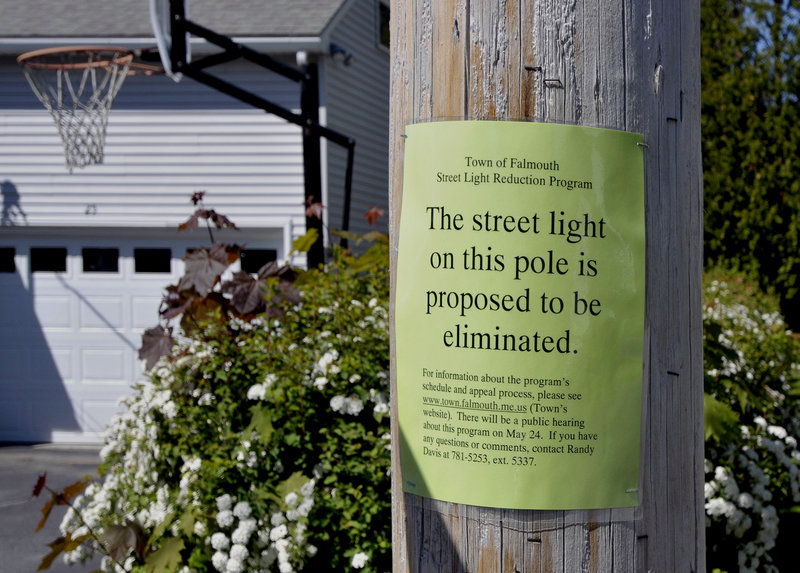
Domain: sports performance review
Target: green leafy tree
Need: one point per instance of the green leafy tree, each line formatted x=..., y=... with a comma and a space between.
x=750, y=143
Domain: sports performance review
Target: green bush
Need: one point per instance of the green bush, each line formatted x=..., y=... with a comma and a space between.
x=752, y=424
x=261, y=442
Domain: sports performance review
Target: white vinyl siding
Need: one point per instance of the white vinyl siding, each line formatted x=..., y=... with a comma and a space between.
x=164, y=142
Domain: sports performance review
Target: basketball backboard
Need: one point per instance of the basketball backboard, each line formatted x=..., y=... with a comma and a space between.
x=161, y=19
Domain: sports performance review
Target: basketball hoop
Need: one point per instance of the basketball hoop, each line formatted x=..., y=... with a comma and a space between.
x=78, y=85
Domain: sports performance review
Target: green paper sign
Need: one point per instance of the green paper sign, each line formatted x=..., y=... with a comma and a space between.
x=519, y=314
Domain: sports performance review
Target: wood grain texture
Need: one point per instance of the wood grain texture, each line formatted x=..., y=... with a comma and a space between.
x=623, y=64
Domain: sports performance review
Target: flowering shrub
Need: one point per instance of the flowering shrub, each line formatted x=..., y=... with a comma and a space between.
x=260, y=443
x=752, y=425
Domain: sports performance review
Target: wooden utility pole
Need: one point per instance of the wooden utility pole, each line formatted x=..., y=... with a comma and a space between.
x=631, y=65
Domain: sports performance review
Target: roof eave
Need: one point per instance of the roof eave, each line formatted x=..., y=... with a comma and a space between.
x=266, y=44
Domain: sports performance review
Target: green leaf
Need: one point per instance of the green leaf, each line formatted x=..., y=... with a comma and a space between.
x=159, y=530
x=187, y=520
x=293, y=483
x=794, y=385
x=372, y=236
x=167, y=558
x=720, y=420
x=261, y=422
x=374, y=257
x=304, y=243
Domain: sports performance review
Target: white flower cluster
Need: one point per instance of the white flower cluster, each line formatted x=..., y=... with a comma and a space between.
x=232, y=554
x=259, y=391
x=347, y=405
x=739, y=318
x=359, y=560
x=372, y=323
x=324, y=368
x=380, y=401
x=351, y=399
x=749, y=514
x=132, y=437
x=244, y=543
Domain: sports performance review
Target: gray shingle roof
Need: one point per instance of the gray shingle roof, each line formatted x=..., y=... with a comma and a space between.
x=131, y=18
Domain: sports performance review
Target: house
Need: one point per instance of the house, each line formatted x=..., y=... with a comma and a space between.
x=84, y=256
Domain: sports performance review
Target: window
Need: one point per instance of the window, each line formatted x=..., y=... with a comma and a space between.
x=49, y=259
x=7, y=260
x=152, y=260
x=383, y=24
x=100, y=260
x=253, y=259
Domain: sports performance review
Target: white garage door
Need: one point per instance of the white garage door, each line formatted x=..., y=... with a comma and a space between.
x=72, y=311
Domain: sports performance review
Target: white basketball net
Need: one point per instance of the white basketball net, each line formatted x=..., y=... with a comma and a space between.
x=78, y=88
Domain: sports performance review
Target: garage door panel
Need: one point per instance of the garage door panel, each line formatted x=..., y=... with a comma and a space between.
x=54, y=414
x=54, y=311
x=15, y=310
x=144, y=311
x=14, y=416
x=95, y=414
x=15, y=365
x=102, y=313
x=104, y=365
x=52, y=363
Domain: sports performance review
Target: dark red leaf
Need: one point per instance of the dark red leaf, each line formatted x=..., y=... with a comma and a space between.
x=203, y=269
x=174, y=303
x=203, y=309
x=247, y=293
x=120, y=539
x=197, y=197
x=374, y=214
x=273, y=269
x=226, y=253
x=193, y=221
x=156, y=342
x=314, y=210
x=37, y=489
x=286, y=292
x=289, y=292
x=220, y=221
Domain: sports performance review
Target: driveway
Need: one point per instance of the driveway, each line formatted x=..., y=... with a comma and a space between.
x=22, y=549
